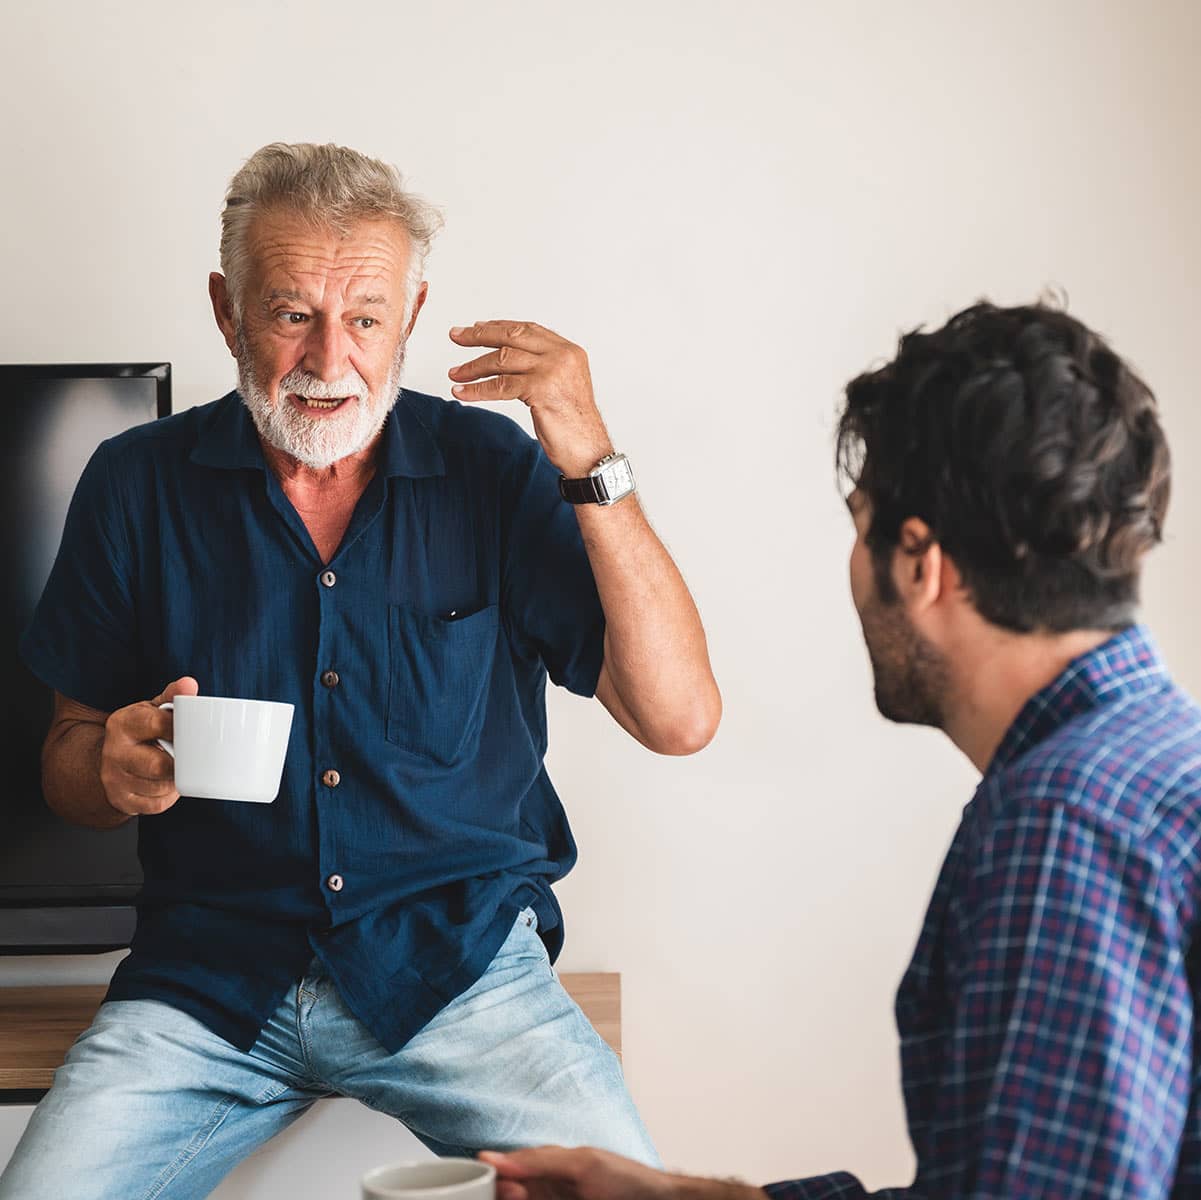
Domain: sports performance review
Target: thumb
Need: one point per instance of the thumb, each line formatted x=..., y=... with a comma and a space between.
x=507, y=1166
x=183, y=686
x=545, y=1162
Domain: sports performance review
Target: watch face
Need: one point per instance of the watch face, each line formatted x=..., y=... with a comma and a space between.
x=618, y=478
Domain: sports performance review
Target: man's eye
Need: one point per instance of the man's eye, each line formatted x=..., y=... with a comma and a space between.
x=366, y=322
x=294, y=318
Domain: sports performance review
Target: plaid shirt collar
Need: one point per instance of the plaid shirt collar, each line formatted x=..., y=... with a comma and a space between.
x=1126, y=665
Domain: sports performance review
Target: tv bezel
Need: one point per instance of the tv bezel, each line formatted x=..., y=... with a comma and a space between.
x=42, y=925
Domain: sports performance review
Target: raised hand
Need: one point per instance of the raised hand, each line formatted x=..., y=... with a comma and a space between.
x=547, y=373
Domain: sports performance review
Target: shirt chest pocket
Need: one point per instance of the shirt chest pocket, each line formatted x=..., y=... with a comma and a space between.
x=438, y=690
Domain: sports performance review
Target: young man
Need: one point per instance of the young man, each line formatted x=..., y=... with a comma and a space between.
x=1008, y=474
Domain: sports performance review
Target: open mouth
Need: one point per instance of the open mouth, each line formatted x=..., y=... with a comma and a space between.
x=310, y=405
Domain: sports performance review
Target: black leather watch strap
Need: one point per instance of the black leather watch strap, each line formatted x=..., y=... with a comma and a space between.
x=581, y=491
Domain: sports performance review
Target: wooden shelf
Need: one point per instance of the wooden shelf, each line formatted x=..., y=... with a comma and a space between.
x=38, y=1024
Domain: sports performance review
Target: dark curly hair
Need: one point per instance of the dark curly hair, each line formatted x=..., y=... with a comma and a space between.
x=1030, y=449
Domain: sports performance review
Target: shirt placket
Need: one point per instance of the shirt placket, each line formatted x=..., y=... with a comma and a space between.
x=327, y=773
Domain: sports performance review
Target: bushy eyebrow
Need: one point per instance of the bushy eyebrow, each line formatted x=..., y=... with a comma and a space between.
x=282, y=294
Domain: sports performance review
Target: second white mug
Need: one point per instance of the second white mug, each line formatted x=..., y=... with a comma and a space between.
x=434, y=1179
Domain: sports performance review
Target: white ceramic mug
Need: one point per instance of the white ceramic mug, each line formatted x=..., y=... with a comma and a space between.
x=228, y=749
x=434, y=1179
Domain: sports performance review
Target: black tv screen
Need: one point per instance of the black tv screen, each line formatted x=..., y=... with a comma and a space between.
x=62, y=887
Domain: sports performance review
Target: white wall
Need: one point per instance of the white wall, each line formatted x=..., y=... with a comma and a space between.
x=734, y=207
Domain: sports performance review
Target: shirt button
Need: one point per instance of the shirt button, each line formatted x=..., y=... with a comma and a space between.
x=334, y=883
x=330, y=678
x=331, y=778
x=328, y=578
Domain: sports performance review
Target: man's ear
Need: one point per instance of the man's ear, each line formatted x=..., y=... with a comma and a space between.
x=418, y=304
x=917, y=566
x=223, y=311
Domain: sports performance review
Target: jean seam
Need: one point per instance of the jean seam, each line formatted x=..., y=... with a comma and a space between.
x=306, y=1052
x=189, y=1153
x=303, y=1037
x=272, y=1094
x=192, y=1149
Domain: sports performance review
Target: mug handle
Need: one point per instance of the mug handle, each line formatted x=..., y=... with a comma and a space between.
x=168, y=746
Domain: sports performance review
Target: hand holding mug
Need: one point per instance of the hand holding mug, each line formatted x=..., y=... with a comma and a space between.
x=558, y=1173
x=137, y=775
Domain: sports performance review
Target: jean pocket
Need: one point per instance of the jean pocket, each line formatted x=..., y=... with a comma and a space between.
x=438, y=690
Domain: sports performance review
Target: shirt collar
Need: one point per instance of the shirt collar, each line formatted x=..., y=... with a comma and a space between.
x=408, y=447
x=1127, y=664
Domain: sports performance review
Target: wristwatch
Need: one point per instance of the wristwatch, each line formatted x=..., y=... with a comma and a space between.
x=612, y=479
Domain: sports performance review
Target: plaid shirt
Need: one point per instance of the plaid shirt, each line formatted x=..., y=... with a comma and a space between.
x=1047, y=1018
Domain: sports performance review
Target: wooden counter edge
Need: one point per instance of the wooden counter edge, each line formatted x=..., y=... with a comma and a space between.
x=38, y=1024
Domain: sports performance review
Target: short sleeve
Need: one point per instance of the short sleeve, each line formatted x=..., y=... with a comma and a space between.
x=81, y=640
x=549, y=593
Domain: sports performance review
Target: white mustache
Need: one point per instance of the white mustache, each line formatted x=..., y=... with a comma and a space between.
x=305, y=384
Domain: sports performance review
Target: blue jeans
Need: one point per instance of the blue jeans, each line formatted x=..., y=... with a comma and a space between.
x=150, y=1105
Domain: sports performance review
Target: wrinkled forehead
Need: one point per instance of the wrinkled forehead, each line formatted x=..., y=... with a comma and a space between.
x=297, y=255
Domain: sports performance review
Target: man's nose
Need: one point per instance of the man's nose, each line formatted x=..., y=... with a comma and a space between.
x=327, y=350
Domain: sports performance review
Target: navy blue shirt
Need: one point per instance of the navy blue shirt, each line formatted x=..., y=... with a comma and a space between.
x=182, y=556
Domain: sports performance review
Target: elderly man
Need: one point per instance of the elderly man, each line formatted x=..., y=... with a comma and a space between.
x=1008, y=474
x=406, y=571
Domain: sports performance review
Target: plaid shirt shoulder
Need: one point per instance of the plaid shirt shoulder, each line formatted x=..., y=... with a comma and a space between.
x=1047, y=1017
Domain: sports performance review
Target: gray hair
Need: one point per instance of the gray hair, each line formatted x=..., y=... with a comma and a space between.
x=332, y=186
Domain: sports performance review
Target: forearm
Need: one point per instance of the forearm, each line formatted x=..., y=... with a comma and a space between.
x=656, y=655
x=656, y=679
x=71, y=776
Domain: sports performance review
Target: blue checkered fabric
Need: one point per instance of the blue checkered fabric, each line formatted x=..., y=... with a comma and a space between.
x=1047, y=1018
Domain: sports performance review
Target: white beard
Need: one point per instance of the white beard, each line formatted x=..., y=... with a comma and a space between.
x=318, y=442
